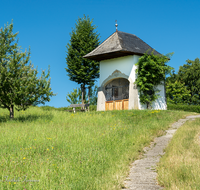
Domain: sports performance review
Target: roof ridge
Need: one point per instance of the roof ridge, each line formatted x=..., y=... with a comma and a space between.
x=120, y=43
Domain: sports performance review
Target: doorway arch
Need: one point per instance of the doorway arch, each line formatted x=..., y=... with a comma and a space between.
x=117, y=94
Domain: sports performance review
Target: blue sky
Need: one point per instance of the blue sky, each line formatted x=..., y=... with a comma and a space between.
x=45, y=25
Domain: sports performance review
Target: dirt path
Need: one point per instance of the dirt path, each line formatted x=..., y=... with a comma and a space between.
x=142, y=174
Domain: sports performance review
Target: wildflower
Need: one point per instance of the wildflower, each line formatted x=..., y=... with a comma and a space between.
x=14, y=182
x=47, y=149
x=52, y=147
x=24, y=158
x=35, y=139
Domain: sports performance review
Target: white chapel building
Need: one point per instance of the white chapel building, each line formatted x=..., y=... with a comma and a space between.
x=117, y=57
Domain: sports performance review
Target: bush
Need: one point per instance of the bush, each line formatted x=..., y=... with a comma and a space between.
x=184, y=107
x=93, y=108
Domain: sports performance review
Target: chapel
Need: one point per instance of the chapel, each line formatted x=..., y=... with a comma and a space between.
x=117, y=57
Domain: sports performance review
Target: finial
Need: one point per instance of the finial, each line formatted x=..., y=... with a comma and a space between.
x=116, y=25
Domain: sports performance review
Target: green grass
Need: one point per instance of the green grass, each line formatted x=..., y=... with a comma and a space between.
x=62, y=150
x=180, y=166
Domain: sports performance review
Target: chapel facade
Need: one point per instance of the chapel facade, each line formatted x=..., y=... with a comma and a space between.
x=117, y=57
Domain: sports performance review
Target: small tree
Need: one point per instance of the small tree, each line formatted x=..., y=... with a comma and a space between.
x=83, y=40
x=177, y=92
x=19, y=85
x=151, y=72
x=74, y=97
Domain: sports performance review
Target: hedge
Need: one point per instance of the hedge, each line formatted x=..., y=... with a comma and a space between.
x=183, y=107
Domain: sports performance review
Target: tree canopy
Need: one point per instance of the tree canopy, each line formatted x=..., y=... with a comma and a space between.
x=177, y=92
x=186, y=80
x=19, y=84
x=83, y=40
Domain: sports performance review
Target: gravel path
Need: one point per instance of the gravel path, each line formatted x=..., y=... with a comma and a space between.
x=143, y=174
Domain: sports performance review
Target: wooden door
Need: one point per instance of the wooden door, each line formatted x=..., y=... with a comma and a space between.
x=117, y=105
x=125, y=104
x=110, y=105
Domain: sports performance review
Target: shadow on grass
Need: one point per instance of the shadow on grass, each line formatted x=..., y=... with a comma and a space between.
x=27, y=118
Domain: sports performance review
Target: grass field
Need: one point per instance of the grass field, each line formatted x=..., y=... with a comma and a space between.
x=61, y=150
x=180, y=166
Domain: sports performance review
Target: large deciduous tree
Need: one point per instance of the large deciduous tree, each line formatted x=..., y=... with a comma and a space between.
x=83, y=40
x=190, y=75
x=19, y=85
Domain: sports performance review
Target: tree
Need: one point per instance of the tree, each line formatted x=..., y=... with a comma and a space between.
x=83, y=40
x=177, y=92
x=74, y=97
x=190, y=75
x=151, y=72
x=19, y=85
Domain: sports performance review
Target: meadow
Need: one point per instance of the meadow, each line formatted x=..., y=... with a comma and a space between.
x=179, y=168
x=53, y=149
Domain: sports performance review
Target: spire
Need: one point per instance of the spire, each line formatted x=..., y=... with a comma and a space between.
x=116, y=25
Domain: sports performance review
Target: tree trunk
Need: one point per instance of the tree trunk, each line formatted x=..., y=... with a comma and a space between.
x=89, y=96
x=12, y=112
x=83, y=94
x=148, y=106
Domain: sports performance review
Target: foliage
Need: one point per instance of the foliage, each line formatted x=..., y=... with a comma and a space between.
x=83, y=40
x=184, y=107
x=151, y=72
x=93, y=95
x=75, y=96
x=19, y=85
x=190, y=74
x=177, y=92
x=90, y=150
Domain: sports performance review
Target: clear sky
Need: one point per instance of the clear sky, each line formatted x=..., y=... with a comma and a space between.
x=45, y=25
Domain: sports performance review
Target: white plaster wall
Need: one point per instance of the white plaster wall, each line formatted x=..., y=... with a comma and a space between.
x=160, y=103
x=125, y=65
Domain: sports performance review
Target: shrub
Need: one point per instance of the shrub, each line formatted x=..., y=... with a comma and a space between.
x=184, y=107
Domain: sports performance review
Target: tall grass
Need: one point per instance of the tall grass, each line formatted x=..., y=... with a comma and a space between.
x=61, y=150
x=180, y=166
